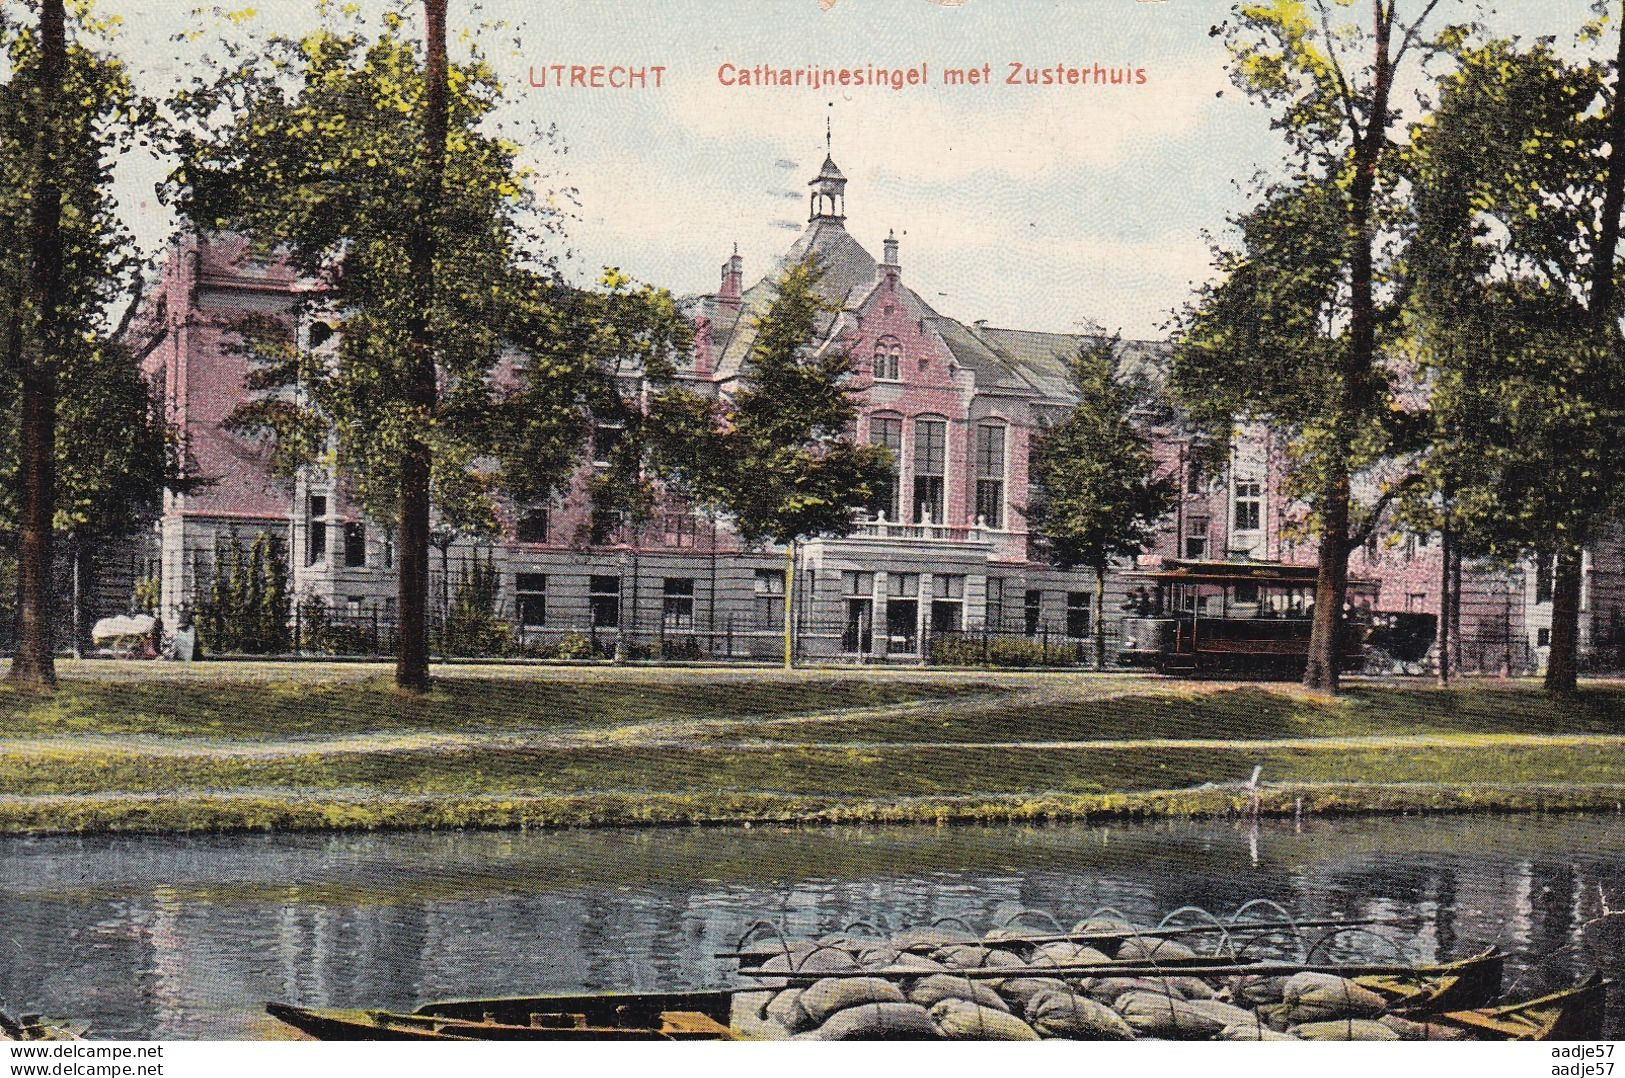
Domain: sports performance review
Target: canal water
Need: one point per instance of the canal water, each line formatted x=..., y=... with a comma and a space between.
x=184, y=937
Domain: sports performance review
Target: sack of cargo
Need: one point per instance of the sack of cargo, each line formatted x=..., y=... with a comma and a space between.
x=1168, y=1017
x=747, y=1014
x=960, y=1020
x=1253, y=1031
x=916, y=964
x=822, y=960
x=1424, y=1030
x=1151, y=950
x=929, y=991
x=1191, y=987
x=785, y=1008
x=823, y=998
x=1314, y=997
x=1108, y=989
x=1020, y=991
x=1253, y=990
x=1349, y=1029
x=962, y=956
x=877, y=955
x=1100, y=924
x=1068, y=1016
x=876, y=1022
x=1061, y=953
x=1225, y=1013
x=933, y=938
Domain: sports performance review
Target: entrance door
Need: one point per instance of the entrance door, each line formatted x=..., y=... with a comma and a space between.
x=859, y=637
x=903, y=626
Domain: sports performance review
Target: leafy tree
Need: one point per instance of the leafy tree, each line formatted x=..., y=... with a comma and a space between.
x=85, y=450
x=1293, y=333
x=1519, y=204
x=367, y=160
x=1094, y=495
x=779, y=462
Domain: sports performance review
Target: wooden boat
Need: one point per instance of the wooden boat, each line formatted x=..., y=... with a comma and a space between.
x=1573, y=1014
x=1470, y=982
x=34, y=1027
x=626, y=1016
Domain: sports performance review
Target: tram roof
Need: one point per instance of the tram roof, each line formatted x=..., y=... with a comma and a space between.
x=1227, y=572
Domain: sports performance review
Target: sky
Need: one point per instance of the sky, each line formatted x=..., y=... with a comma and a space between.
x=1049, y=207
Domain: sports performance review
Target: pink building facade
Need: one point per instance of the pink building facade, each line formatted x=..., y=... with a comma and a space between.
x=945, y=549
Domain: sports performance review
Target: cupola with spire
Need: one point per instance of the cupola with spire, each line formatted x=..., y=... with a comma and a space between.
x=828, y=199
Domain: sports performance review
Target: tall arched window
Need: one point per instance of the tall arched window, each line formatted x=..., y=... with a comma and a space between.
x=887, y=430
x=930, y=469
x=888, y=359
x=990, y=446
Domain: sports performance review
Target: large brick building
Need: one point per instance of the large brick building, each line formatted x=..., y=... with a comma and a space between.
x=945, y=548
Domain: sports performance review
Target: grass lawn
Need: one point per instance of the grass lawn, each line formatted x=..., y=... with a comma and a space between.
x=161, y=747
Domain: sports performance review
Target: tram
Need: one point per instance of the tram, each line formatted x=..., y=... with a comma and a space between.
x=1244, y=618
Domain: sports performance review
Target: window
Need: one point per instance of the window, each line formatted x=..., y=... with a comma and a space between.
x=1195, y=476
x=947, y=603
x=355, y=545
x=604, y=597
x=859, y=589
x=995, y=602
x=1077, y=614
x=352, y=606
x=1032, y=610
x=1410, y=548
x=888, y=431
x=533, y=525
x=605, y=526
x=930, y=463
x=990, y=474
x=677, y=603
x=888, y=359
x=315, y=529
x=1545, y=571
x=679, y=529
x=769, y=598
x=903, y=612
x=1249, y=505
x=1196, y=537
x=606, y=436
x=530, y=599
x=388, y=546
x=1416, y=602
x=1543, y=638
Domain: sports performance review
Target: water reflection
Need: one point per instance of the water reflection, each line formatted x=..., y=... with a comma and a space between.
x=182, y=938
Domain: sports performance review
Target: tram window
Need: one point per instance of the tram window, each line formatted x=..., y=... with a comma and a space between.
x=1247, y=593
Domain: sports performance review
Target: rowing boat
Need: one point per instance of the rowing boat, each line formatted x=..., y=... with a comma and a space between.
x=1572, y=1014
x=621, y=1016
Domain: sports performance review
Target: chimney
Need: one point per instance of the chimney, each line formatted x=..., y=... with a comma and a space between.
x=890, y=271
x=733, y=280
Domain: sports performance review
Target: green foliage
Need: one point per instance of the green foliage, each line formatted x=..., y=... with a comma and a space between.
x=1528, y=383
x=1094, y=495
x=245, y=606
x=114, y=451
x=146, y=593
x=1003, y=652
x=573, y=647
x=322, y=163
x=473, y=627
x=781, y=464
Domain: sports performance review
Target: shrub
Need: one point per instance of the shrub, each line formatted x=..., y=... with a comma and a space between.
x=1003, y=652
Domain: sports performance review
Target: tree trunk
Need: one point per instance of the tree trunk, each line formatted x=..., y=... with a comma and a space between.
x=33, y=666
x=1442, y=640
x=1562, y=665
x=789, y=604
x=412, y=653
x=1325, y=665
x=1100, y=617
x=1331, y=583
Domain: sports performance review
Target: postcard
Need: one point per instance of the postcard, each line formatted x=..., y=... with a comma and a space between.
x=811, y=520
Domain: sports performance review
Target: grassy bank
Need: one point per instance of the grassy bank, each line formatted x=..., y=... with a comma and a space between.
x=161, y=748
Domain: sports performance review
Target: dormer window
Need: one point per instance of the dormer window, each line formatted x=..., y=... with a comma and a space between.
x=888, y=359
